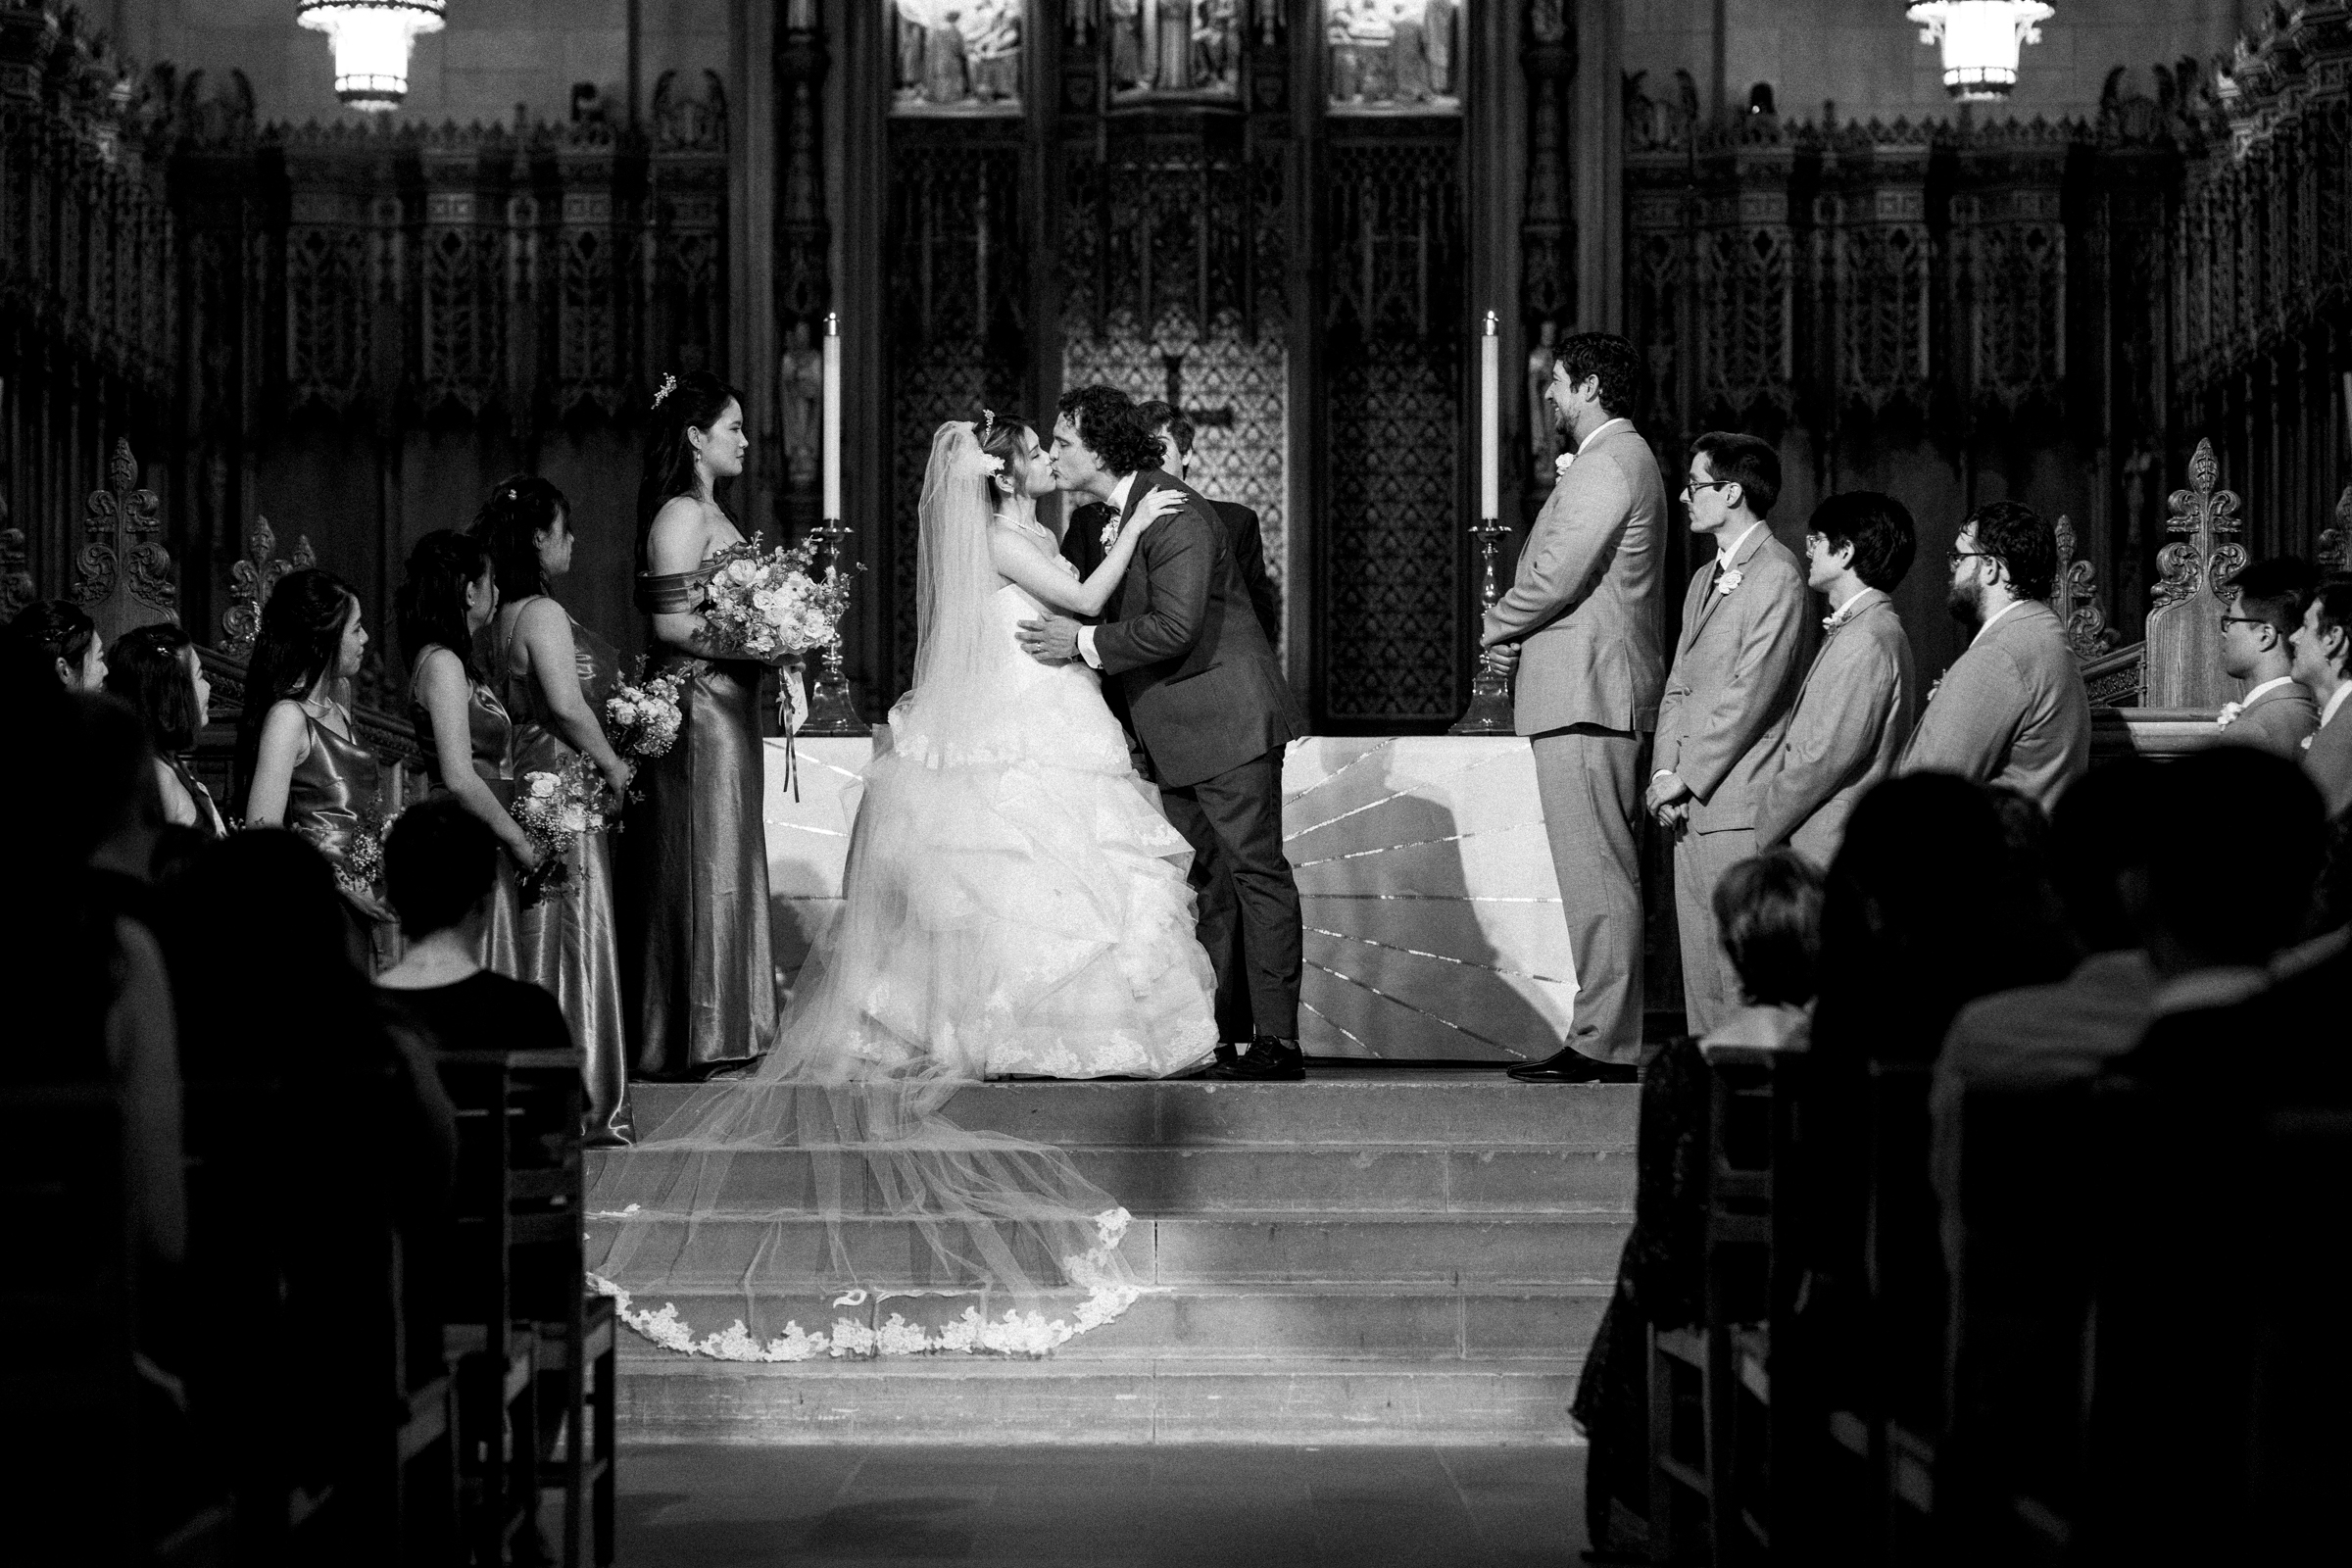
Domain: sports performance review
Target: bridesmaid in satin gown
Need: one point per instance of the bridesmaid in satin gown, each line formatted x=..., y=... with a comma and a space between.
x=300, y=761
x=556, y=674
x=693, y=861
x=448, y=597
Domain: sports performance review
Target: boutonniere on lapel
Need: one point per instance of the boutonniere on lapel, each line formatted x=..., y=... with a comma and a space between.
x=1730, y=580
x=1560, y=463
x=1933, y=687
x=1111, y=531
x=2229, y=714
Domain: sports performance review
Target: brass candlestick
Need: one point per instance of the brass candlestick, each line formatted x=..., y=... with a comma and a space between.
x=1489, y=709
x=831, y=711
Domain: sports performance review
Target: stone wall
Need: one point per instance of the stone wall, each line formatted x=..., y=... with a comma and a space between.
x=1866, y=58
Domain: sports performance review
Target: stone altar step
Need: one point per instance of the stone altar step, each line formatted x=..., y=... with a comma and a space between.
x=1465, y=1108
x=1402, y=1257
x=1164, y=1179
x=1414, y=1321
x=1067, y=1400
x=1273, y=1248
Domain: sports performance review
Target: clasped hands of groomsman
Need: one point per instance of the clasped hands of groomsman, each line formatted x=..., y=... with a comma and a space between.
x=1760, y=733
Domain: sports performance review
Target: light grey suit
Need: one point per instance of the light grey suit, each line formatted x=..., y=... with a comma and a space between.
x=1853, y=714
x=2010, y=712
x=1720, y=728
x=2276, y=722
x=2329, y=762
x=1585, y=608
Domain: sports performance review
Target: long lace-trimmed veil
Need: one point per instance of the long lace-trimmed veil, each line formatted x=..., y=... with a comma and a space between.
x=825, y=1203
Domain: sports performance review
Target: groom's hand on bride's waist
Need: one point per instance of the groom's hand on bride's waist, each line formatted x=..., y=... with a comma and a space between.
x=1053, y=640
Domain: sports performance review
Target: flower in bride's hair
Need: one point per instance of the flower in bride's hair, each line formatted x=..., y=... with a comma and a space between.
x=670, y=384
x=988, y=423
x=992, y=465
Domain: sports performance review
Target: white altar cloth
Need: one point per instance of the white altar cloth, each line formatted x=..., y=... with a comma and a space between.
x=1434, y=928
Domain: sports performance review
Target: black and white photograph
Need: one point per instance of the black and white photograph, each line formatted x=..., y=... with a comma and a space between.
x=1175, y=783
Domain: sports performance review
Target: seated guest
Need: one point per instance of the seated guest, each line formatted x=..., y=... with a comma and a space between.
x=2257, y=646
x=2212, y=922
x=300, y=764
x=2011, y=710
x=2323, y=661
x=441, y=866
x=61, y=633
x=449, y=595
x=1768, y=917
x=309, y=1119
x=156, y=670
x=2108, y=829
x=1855, y=710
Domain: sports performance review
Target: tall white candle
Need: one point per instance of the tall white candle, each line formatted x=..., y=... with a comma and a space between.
x=1490, y=424
x=832, y=418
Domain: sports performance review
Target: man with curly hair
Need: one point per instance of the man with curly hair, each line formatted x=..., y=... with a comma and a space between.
x=1190, y=671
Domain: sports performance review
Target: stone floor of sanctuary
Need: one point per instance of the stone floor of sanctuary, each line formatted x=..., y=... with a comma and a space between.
x=698, y=1506
x=1373, y=1257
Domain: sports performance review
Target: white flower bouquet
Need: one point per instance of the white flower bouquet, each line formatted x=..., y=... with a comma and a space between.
x=360, y=868
x=766, y=604
x=643, y=717
x=554, y=810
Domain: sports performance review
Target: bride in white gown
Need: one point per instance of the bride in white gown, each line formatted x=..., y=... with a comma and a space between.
x=1013, y=903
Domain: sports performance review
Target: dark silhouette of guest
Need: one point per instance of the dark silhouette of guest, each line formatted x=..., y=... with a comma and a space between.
x=155, y=669
x=61, y=633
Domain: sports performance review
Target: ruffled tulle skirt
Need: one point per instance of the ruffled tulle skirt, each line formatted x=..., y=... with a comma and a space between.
x=1013, y=917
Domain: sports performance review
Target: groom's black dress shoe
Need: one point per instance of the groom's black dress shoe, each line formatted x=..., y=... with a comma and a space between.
x=1268, y=1060
x=1569, y=1066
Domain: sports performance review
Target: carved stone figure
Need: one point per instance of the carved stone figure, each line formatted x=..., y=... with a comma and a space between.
x=1217, y=45
x=945, y=78
x=1436, y=27
x=1127, y=43
x=801, y=396
x=1172, y=58
x=1542, y=435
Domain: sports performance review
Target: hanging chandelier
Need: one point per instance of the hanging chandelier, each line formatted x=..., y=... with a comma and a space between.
x=1981, y=39
x=370, y=39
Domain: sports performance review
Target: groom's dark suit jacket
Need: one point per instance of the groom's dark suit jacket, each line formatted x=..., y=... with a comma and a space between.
x=1182, y=646
x=1081, y=547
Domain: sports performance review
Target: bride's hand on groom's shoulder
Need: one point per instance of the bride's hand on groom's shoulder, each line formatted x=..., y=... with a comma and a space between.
x=1153, y=506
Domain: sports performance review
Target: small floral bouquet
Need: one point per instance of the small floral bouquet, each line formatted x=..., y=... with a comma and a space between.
x=765, y=604
x=643, y=717
x=360, y=872
x=555, y=809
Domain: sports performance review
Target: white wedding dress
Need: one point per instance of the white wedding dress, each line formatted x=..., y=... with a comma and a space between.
x=1013, y=903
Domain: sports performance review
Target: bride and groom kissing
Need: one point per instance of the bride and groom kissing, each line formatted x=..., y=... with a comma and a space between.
x=1068, y=862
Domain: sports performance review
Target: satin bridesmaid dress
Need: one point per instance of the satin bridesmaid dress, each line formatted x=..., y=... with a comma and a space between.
x=570, y=944
x=699, y=975
x=490, y=736
x=334, y=795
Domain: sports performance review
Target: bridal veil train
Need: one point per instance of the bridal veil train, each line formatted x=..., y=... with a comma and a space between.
x=1013, y=903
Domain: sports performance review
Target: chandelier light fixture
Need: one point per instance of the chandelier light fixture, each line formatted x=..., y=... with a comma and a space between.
x=370, y=39
x=1981, y=41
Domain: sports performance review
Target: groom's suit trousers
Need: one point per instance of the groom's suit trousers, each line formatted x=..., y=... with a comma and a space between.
x=1248, y=919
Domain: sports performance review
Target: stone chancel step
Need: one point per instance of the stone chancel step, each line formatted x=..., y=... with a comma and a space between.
x=1364, y=1257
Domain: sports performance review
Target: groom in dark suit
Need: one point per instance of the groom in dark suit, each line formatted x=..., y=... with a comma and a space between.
x=1192, y=675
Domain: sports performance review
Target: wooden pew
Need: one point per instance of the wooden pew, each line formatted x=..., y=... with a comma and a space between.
x=537, y=1353
x=2021, y=1319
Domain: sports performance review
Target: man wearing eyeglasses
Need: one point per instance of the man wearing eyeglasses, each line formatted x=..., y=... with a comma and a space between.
x=2011, y=710
x=1727, y=700
x=2258, y=647
x=1583, y=623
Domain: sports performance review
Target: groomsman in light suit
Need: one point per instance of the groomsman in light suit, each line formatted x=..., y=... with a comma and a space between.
x=1854, y=711
x=2323, y=662
x=1727, y=700
x=2258, y=634
x=1581, y=623
x=2011, y=710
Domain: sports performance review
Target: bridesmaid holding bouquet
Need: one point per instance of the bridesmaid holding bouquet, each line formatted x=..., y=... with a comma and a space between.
x=300, y=764
x=462, y=728
x=557, y=675
x=694, y=860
